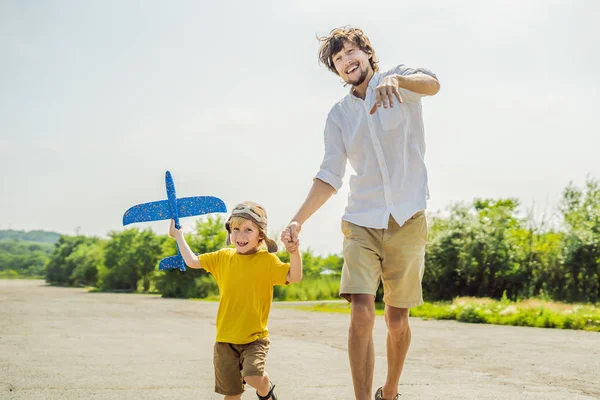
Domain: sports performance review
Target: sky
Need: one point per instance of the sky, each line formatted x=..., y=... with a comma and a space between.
x=99, y=98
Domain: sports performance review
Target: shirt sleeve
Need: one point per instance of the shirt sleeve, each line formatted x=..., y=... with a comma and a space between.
x=408, y=95
x=279, y=271
x=210, y=263
x=333, y=166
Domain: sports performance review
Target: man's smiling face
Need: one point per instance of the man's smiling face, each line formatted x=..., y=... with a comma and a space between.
x=352, y=64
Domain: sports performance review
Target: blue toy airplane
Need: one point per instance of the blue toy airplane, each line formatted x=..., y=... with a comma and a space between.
x=173, y=208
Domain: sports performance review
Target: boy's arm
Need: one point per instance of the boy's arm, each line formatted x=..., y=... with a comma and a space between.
x=188, y=255
x=295, y=274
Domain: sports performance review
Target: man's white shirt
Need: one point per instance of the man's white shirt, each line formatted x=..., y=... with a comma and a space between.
x=385, y=149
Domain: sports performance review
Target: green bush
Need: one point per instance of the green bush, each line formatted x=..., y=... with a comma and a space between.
x=435, y=311
x=65, y=259
x=471, y=314
x=536, y=313
x=207, y=286
x=324, y=288
x=9, y=274
x=484, y=249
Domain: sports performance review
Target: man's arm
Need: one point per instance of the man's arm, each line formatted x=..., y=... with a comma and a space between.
x=319, y=193
x=188, y=255
x=327, y=181
x=418, y=83
x=390, y=86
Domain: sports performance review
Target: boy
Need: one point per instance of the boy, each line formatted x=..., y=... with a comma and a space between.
x=245, y=275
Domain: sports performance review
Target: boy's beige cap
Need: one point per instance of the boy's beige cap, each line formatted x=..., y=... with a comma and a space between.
x=249, y=210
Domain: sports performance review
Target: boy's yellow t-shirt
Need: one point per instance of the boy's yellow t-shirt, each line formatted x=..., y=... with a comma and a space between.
x=246, y=288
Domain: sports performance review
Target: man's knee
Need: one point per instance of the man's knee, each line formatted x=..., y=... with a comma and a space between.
x=363, y=312
x=397, y=321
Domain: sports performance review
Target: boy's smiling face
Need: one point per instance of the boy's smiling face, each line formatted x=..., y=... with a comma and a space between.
x=245, y=237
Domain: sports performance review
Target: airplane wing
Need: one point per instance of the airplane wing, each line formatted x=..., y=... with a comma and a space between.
x=186, y=207
x=155, y=211
x=199, y=205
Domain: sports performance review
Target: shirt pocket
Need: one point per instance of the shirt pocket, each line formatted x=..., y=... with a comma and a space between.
x=392, y=117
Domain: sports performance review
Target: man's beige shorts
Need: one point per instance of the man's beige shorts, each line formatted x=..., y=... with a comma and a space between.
x=233, y=362
x=395, y=255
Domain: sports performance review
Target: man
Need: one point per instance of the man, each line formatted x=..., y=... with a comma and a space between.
x=378, y=127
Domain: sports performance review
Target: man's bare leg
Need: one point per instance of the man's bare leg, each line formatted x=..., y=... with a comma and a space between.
x=360, y=344
x=237, y=397
x=397, y=344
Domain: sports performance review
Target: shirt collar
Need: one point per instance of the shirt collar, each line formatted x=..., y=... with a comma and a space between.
x=374, y=80
x=372, y=85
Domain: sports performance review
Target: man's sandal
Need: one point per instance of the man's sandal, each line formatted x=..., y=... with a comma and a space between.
x=379, y=394
x=270, y=395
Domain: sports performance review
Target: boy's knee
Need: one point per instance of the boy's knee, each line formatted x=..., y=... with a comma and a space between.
x=256, y=381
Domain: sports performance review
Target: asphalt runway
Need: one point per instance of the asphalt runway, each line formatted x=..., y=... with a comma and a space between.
x=66, y=343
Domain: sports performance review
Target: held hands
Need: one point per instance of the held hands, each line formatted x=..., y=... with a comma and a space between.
x=289, y=237
x=292, y=247
x=385, y=93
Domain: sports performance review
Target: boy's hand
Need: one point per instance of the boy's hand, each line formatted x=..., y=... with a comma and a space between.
x=290, y=245
x=174, y=232
x=293, y=229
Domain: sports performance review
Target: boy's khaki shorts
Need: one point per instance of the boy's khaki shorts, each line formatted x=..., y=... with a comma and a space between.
x=395, y=255
x=233, y=362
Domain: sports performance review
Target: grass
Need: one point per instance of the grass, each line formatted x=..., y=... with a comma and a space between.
x=532, y=312
x=213, y=298
x=315, y=288
x=12, y=274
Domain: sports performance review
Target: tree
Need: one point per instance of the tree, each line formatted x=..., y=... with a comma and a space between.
x=24, y=257
x=208, y=236
x=60, y=267
x=148, y=252
x=580, y=209
x=88, y=259
x=473, y=252
x=129, y=256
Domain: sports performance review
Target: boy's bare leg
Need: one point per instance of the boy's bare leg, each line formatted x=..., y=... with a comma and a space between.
x=260, y=383
x=397, y=343
x=237, y=397
x=360, y=344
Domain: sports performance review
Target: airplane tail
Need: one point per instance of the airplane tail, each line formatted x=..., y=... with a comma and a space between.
x=173, y=262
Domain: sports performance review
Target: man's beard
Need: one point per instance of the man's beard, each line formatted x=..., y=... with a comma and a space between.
x=359, y=81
